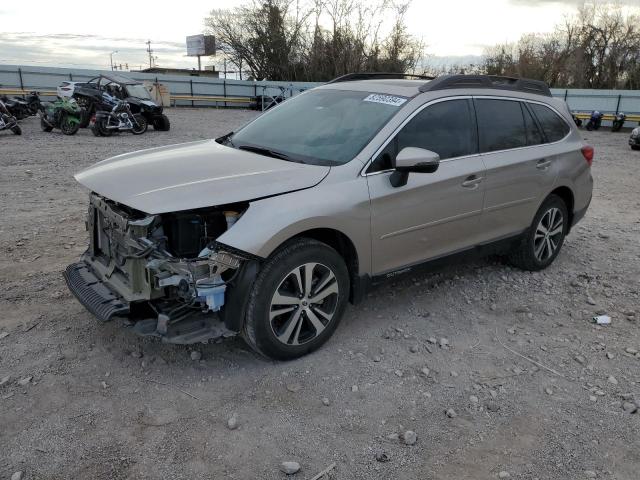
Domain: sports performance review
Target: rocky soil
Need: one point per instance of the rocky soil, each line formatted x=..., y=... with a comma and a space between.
x=475, y=371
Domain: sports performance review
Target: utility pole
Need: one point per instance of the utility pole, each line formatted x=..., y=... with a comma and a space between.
x=150, y=52
x=111, y=58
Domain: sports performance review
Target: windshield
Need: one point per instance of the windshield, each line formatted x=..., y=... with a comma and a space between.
x=138, y=91
x=319, y=127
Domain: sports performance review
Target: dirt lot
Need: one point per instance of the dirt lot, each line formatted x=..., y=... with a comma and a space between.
x=82, y=400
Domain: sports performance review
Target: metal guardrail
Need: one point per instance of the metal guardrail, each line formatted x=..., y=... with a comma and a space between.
x=634, y=117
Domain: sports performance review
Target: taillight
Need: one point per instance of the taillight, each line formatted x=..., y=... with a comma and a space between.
x=587, y=153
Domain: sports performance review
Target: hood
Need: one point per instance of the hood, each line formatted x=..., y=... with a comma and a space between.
x=195, y=175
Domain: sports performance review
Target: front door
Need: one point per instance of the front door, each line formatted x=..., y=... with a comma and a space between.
x=434, y=213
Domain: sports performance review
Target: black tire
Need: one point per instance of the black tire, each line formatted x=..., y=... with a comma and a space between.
x=259, y=331
x=142, y=125
x=16, y=129
x=162, y=123
x=99, y=129
x=635, y=147
x=67, y=127
x=45, y=126
x=524, y=255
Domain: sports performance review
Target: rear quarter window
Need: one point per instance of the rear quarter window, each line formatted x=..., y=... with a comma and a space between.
x=554, y=127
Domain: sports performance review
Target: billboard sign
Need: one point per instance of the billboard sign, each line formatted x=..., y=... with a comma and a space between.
x=198, y=45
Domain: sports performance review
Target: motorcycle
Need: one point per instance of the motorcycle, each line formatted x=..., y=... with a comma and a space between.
x=33, y=102
x=8, y=121
x=577, y=121
x=618, y=122
x=64, y=114
x=17, y=107
x=118, y=119
x=595, y=121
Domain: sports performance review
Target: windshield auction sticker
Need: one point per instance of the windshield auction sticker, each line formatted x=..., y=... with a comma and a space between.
x=386, y=99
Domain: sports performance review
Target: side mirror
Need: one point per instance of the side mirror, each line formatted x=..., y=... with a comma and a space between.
x=412, y=159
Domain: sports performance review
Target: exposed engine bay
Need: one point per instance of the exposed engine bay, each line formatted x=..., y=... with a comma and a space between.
x=162, y=268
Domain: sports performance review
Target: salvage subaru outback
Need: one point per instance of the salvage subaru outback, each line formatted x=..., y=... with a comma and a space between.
x=270, y=230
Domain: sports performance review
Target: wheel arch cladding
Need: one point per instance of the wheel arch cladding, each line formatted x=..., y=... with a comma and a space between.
x=567, y=197
x=342, y=244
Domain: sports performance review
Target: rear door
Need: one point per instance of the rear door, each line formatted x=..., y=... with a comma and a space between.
x=518, y=170
x=434, y=213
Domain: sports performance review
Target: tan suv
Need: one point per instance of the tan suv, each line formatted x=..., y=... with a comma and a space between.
x=269, y=231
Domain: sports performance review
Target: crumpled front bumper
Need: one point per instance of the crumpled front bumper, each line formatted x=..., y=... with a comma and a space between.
x=93, y=293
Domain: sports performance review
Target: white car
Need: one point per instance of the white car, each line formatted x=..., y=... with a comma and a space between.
x=66, y=89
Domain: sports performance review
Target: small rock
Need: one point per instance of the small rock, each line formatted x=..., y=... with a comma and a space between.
x=25, y=381
x=590, y=474
x=290, y=468
x=610, y=356
x=5, y=380
x=136, y=354
x=512, y=331
x=398, y=373
x=580, y=359
x=451, y=413
x=493, y=407
x=393, y=436
x=17, y=476
x=631, y=350
x=377, y=358
x=326, y=402
x=548, y=391
x=382, y=456
x=493, y=307
x=591, y=301
x=432, y=340
x=104, y=385
x=409, y=437
x=629, y=407
x=425, y=371
x=294, y=387
x=612, y=380
x=354, y=388
x=232, y=423
x=444, y=343
x=4, y=335
x=413, y=349
x=196, y=355
x=593, y=398
x=600, y=393
x=473, y=399
x=504, y=474
x=454, y=373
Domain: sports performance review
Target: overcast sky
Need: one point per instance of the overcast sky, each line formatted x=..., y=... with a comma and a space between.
x=39, y=32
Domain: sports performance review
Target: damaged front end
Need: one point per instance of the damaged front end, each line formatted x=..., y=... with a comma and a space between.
x=166, y=273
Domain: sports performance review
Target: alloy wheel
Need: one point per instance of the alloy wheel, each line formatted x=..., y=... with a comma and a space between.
x=548, y=234
x=304, y=304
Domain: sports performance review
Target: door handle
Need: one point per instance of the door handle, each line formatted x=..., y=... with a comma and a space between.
x=543, y=164
x=472, y=182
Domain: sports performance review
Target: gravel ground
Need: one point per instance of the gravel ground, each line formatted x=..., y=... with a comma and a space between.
x=499, y=373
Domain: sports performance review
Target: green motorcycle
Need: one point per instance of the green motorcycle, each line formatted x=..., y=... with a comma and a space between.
x=64, y=114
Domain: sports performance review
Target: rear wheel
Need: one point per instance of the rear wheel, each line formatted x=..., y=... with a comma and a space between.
x=297, y=300
x=541, y=244
x=100, y=129
x=635, y=147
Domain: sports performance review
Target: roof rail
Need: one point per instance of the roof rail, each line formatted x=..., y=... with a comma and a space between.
x=350, y=77
x=487, y=81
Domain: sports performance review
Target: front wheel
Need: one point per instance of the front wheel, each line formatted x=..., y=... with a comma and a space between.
x=140, y=125
x=162, y=123
x=68, y=126
x=44, y=125
x=297, y=300
x=542, y=242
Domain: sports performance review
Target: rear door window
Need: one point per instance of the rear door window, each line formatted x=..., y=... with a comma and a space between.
x=554, y=127
x=500, y=125
x=446, y=128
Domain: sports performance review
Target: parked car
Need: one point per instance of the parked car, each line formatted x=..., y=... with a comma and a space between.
x=270, y=230
x=66, y=89
x=132, y=91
